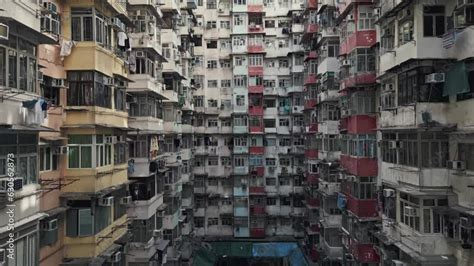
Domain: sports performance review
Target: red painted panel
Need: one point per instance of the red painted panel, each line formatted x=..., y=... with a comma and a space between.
x=255, y=70
x=314, y=254
x=256, y=89
x=364, y=253
x=257, y=232
x=312, y=4
x=359, y=166
x=256, y=110
x=312, y=55
x=310, y=28
x=362, y=208
x=358, y=79
x=311, y=153
x=256, y=29
x=361, y=124
x=311, y=79
x=255, y=49
x=310, y=103
x=256, y=150
x=313, y=128
x=365, y=38
x=258, y=129
x=315, y=227
x=313, y=202
x=257, y=209
x=312, y=179
x=255, y=8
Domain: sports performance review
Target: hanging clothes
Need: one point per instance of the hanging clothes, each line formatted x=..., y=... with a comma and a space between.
x=121, y=39
x=66, y=47
x=132, y=64
x=44, y=105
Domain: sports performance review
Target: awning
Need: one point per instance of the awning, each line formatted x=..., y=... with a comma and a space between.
x=37, y=128
x=19, y=29
x=162, y=244
x=456, y=80
x=52, y=138
x=109, y=252
x=56, y=211
x=24, y=221
x=427, y=260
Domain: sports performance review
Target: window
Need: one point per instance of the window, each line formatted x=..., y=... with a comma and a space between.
x=256, y=60
x=240, y=161
x=213, y=181
x=225, y=83
x=359, y=145
x=81, y=24
x=199, y=222
x=269, y=123
x=48, y=160
x=226, y=221
x=269, y=103
x=199, y=101
x=433, y=21
x=212, y=123
x=240, y=100
x=211, y=63
x=270, y=161
x=405, y=31
x=434, y=150
x=224, y=63
x=466, y=154
x=285, y=161
x=87, y=88
x=225, y=24
x=225, y=161
x=267, y=83
x=226, y=44
x=240, y=2
x=240, y=142
x=211, y=25
x=363, y=60
x=412, y=87
x=366, y=18
x=212, y=83
x=212, y=221
x=271, y=201
x=283, y=63
x=212, y=45
x=24, y=148
x=211, y=4
x=240, y=61
x=238, y=20
x=80, y=151
x=240, y=81
x=240, y=121
x=79, y=222
x=284, y=122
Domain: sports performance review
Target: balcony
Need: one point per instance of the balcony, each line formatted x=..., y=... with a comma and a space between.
x=312, y=202
x=241, y=211
x=358, y=79
x=257, y=150
x=258, y=89
x=311, y=4
x=241, y=149
x=312, y=179
x=140, y=167
x=78, y=116
x=240, y=129
x=146, y=123
x=147, y=41
x=311, y=154
x=257, y=232
x=253, y=28
x=256, y=110
x=191, y=4
x=257, y=210
x=364, y=253
x=256, y=129
x=311, y=28
x=145, y=83
x=311, y=79
x=255, y=7
x=359, y=166
x=241, y=170
x=170, y=221
x=357, y=39
x=310, y=104
x=360, y=124
x=329, y=188
x=255, y=71
x=241, y=231
x=361, y=208
x=332, y=252
x=255, y=49
x=96, y=179
x=144, y=209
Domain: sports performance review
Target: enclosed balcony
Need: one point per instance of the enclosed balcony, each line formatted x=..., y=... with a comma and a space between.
x=360, y=198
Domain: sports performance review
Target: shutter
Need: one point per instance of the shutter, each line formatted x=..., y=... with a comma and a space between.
x=71, y=223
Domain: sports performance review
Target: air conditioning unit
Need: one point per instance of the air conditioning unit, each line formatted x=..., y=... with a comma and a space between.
x=126, y=200
x=284, y=170
x=157, y=233
x=342, y=176
x=299, y=170
x=435, y=78
x=456, y=165
x=388, y=193
x=350, y=17
x=160, y=213
x=346, y=63
x=40, y=76
x=116, y=257
x=50, y=225
x=392, y=144
x=464, y=222
x=410, y=211
x=221, y=10
x=4, y=31
x=106, y=202
x=109, y=139
x=377, y=11
x=349, y=257
x=324, y=48
x=302, y=6
x=271, y=169
x=17, y=184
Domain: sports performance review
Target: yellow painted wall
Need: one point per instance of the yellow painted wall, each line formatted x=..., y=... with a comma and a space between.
x=93, y=246
x=93, y=115
x=96, y=179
